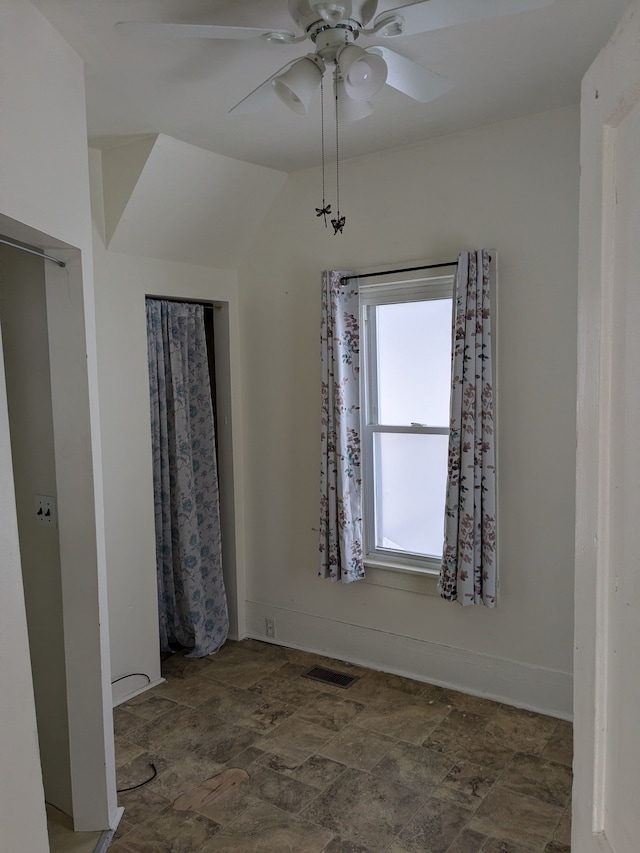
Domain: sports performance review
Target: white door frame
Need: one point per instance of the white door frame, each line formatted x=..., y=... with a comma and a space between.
x=611, y=90
x=81, y=533
x=72, y=361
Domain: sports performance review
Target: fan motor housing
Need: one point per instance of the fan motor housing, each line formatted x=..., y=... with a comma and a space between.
x=357, y=13
x=329, y=40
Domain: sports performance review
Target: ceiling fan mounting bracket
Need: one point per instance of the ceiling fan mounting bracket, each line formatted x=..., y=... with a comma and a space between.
x=308, y=14
x=320, y=27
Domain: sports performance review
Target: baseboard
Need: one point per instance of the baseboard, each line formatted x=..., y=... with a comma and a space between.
x=107, y=836
x=120, y=699
x=535, y=688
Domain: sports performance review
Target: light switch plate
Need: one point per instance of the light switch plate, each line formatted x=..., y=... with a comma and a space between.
x=46, y=512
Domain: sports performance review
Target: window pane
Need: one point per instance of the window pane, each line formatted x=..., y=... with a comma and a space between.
x=411, y=478
x=414, y=362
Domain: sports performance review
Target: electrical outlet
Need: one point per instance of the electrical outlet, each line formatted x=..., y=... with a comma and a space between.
x=45, y=511
x=270, y=626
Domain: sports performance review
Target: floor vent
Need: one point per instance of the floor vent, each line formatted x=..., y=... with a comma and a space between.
x=330, y=676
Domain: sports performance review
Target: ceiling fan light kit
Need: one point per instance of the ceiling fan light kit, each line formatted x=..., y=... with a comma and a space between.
x=333, y=26
x=348, y=108
x=297, y=86
x=364, y=74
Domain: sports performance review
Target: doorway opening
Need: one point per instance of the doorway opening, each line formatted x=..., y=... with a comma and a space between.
x=45, y=356
x=195, y=518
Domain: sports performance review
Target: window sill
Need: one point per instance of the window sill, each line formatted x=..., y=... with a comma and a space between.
x=397, y=576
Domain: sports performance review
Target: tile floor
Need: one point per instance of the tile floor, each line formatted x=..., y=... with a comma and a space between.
x=389, y=765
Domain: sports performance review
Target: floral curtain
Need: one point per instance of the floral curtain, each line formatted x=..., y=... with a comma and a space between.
x=341, y=550
x=468, y=572
x=191, y=595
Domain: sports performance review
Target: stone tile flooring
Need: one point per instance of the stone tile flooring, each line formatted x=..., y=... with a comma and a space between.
x=389, y=765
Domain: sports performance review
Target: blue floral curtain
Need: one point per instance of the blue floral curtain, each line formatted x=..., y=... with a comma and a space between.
x=191, y=595
x=341, y=549
x=468, y=573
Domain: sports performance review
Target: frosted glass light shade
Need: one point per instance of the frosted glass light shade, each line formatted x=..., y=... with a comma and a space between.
x=364, y=74
x=297, y=85
x=348, y=109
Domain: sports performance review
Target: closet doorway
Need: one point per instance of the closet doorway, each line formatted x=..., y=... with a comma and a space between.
x=49, y=383
x=190, y=393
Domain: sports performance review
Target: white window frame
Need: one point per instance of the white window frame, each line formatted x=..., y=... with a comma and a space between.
x=391, y=289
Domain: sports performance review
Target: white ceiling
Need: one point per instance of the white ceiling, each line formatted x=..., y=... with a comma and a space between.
x=501, y=69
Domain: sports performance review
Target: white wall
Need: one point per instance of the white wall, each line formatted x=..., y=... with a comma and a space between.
x=122, y=282
x=44, y=199
x=23, y=315
x=514, y=187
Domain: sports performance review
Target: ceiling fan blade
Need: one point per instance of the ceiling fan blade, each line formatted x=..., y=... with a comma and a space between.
x=203, y=31
x=408, y=77
x=262, y=96
x=438, y=14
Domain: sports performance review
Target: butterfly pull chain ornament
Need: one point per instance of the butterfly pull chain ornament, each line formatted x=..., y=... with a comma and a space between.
x=338, y=224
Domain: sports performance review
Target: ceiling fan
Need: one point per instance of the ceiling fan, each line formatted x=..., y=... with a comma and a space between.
x=334, y=26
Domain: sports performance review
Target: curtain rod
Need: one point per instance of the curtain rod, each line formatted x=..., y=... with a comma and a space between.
x=207, y=305
x=390, y=272
x=32, y=252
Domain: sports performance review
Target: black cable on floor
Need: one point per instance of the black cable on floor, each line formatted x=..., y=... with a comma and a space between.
x=146, y=781
x=153, y=767
x=131, y=674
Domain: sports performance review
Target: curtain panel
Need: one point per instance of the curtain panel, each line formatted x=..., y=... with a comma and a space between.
x=341, y=547
x=191, y=595
x=468, y=572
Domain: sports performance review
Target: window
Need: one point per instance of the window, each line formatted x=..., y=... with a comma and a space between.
x=406, y=378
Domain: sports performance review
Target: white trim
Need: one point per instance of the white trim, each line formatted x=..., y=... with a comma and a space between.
x=397, y=576
x=388, y=269
x=422, y=289
x=409, y=429
x=104, y=842
x=79, y=493
x=523, y=685
x=418, y=286
x=140, y=690
x=602, y=843
x=605, y=429
x=609, y=91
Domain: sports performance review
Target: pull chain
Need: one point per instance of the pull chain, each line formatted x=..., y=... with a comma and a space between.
x=325, y=210
x=338, y=222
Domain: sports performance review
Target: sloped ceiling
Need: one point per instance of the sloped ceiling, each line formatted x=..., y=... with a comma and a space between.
x=167, y=199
